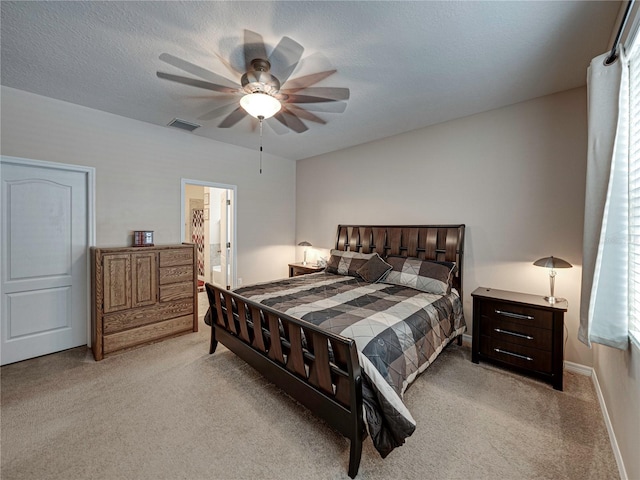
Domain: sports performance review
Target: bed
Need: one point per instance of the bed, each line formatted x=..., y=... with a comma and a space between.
x=347, y=342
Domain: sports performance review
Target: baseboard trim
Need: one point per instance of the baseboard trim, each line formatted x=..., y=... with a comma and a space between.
x=578, y=368
x=590, y=372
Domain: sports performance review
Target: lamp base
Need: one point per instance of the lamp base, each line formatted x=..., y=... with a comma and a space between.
x=553, y=300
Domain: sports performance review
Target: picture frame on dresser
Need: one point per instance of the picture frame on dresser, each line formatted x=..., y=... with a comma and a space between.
x=519, y=331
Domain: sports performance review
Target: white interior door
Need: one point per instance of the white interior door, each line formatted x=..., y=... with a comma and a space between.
x=45, y=239
x=224, y=239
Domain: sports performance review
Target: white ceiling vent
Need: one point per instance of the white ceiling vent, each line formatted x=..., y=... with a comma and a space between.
x=183, y=125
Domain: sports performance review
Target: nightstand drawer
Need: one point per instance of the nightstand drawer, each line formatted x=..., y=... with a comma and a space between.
x=514, y=332
x=517, y=355
x=519, y=314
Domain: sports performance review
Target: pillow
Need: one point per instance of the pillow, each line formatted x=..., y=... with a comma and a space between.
x=374, y=269
x=346, y=263
x=424, y=275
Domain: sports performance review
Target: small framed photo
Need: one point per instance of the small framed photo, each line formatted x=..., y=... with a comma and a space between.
x=206, y=214
x=206, y=199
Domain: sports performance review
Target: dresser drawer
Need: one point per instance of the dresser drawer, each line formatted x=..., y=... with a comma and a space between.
x=176, y=291
x=147, y=333
x=517, y=355
x=517, y=314
x=177, y=274
x=176, y=256
x=515, y=332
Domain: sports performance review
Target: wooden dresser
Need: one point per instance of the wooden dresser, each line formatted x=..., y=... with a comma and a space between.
x=140, y=295
x=520, y=331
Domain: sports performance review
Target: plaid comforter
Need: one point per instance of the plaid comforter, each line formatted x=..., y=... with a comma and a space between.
x=398, y=331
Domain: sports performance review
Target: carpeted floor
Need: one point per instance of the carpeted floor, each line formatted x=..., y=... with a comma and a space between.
x=171, y=411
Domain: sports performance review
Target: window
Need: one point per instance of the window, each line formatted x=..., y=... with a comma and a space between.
x=634, y=193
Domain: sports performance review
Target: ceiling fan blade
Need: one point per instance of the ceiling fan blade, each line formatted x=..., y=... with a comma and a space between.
x=276, y=126
x=228, y=65
x=301, y=83
x=196, y=83
x=253, y=48
x=197, y=71
x=233, y=118
x=330, y=94
x=304, y=114
x=219, y=112
x=327, y=107
x=296, y=98
x=291, y=121
x=285, y=57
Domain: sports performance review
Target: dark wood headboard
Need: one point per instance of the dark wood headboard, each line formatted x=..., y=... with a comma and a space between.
x=427, y=242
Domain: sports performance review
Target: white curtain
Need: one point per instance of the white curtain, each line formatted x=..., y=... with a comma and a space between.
x=604, y=302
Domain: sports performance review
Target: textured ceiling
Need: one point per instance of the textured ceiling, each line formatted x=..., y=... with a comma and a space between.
x=408, y=64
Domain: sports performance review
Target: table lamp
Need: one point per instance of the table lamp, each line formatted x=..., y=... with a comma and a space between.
x=305, y=245
x=552, y=263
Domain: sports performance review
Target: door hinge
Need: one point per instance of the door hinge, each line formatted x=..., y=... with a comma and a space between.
x=228, y=244
x=228, y=202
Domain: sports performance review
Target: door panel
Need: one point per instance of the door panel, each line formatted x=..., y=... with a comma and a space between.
x=29, y=312
x=45, y=239
x=144, y=279
x=117, y=282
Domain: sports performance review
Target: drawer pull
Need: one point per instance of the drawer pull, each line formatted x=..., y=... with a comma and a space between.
x=514, y=315
x=523, y=357
x=515, y=334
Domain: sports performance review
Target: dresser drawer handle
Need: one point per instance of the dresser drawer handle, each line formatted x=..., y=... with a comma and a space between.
x=523, y=357
x=519, y=335
x=514, y=315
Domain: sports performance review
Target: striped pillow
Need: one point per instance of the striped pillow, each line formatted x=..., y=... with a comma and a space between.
x=424, y=275
x=346, y=263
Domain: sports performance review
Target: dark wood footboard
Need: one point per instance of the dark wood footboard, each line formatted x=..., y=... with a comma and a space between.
x=317, y=368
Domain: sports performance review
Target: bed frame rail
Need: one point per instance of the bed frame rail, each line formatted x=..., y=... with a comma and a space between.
x=317, y=368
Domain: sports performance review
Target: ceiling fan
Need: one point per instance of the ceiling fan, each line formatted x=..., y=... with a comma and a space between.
x=262, y=87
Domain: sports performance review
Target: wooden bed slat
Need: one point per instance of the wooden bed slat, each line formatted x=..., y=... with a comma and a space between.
x=319, y=372
x=395, y=236
x=431, y=244
x=410, y=237
x=379, y=237
x=353, y=239
x=342, y=239
x=275, y=347
x=451, y=245
x=295, y=361
x=242, y=320
x=365, y=240
x=258, y=335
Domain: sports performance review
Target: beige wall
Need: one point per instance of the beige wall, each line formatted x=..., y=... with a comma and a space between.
x=515, y=176
x=618, y=374
x=139, y=167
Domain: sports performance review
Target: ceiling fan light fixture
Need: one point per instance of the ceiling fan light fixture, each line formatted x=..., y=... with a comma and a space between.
x=260, y=105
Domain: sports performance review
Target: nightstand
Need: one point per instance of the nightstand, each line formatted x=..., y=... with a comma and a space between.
x=296, y=269
x=519, y=331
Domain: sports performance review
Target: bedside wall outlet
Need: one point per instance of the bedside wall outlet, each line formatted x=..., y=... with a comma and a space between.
x=239, y=281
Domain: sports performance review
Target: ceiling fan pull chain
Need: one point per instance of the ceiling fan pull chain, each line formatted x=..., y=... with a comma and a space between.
x=260, y=118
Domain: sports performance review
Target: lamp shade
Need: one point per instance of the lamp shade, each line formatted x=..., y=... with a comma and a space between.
x=552, y=262
x=260, y=105
x=305, y=244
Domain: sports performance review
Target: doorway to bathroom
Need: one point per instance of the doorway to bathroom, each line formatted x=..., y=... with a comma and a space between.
x=208, y=219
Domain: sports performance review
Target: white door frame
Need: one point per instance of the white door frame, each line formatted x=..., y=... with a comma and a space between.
x=183, y=183
x=90, y=172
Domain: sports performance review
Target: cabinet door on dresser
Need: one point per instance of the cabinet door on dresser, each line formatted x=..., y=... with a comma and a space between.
x=144, y=278
x=116, y=271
